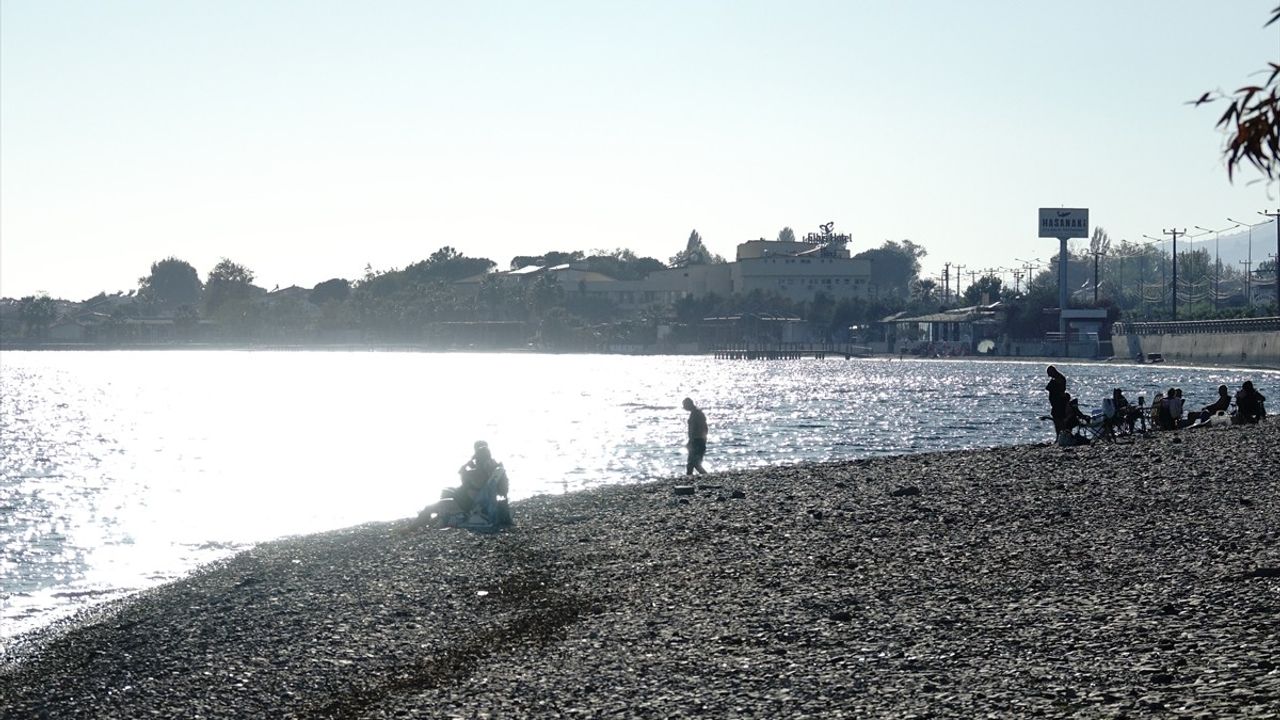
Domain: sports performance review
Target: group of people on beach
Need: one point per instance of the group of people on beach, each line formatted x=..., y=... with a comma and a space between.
x=481, y=498
x=1166, y=412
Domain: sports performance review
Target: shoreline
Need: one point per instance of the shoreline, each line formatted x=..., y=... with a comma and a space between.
x=1136, y=578
x=428, y=350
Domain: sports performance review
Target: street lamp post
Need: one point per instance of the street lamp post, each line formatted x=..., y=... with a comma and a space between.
x=1164, y=280
x=1217, y=264
x=1174, y=234
x=1249, y=275
x=1275, y=216
x=1191, y=251
x=1029, y=267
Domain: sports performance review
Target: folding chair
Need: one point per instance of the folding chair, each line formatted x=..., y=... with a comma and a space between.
x=1098, y=428
x=1111, y=419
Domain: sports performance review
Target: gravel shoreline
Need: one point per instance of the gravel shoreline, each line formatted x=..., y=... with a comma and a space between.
x=1137, y=578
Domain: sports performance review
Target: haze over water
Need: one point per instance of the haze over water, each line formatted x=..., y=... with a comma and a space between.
x=121, y=470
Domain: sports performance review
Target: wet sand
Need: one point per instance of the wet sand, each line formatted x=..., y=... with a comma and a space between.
x=1138, y=578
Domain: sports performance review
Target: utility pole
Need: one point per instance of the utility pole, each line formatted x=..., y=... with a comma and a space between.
x=1175, y=233
x=1275, y=217
x=1120, y=283
x=1096, y=254
x=946, y=283
x=1217, y=264
x=1248, y=282
x=958, y=269
x=1249, y=278
x=1191, y=243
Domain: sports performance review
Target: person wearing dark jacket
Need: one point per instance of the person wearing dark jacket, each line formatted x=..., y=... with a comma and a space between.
x=1058, y=397
x=1249, y=407
x=1222, y=404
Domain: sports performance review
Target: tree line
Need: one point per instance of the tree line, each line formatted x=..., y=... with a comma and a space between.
x=409, y=304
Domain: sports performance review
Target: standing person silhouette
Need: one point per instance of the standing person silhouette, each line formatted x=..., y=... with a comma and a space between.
x=1057, y=388
x=697, y=438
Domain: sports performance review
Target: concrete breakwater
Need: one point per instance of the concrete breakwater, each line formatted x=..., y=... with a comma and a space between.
x=1252, y=342
x=1135, y=578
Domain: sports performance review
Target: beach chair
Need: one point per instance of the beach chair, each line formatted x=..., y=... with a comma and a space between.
x=1113, y=423
x=1097, y=427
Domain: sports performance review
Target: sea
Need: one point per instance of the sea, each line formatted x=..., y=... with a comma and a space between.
x=121, y=470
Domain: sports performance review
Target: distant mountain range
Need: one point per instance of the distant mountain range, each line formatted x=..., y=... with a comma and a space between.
x=1233, y=248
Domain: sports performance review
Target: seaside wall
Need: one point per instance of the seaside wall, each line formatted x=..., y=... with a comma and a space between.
x=1256, y=349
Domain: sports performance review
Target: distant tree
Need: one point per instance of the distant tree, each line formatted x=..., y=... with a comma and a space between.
x=691, y=310
x=186, y=319
x=443, y=255
x=37, y=313
x=924, y=292
x=820, y=313
x=1100, y=241
x=695, y=253
x=227, y=281
x=499, y=300
x=623, y=264
x=1026, y=317
x=336, y=289
x=547, y=259
x=1252, y=121
x=559, y=330
x=895, y=266
x=545, y=293
x=988, y=286
x=446, y=265
x=786, y=234
x=172, y=282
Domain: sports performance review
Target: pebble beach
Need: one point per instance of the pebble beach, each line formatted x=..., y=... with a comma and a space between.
x=1136, y=578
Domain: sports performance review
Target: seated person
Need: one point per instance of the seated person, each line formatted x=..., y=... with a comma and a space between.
x=1175, y=404
x=1249, y=404
x=476, y=500
x=1159, y=415
x=1076, y=419
x=1166, y=410
x=1123, y=413
x=1222, y=404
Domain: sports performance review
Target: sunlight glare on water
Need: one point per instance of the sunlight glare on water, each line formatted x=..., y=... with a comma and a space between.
x=119, y=470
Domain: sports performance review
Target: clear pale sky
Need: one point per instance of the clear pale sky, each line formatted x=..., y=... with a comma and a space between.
x=308, y=139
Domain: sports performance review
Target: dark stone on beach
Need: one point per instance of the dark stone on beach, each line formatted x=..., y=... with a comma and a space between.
x=905, y=492
x=737, y=495
x=1264, y=572
x=684, y=489
x=841, y=616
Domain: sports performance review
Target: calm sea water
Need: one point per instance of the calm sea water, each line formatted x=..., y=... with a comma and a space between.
x=121, y=470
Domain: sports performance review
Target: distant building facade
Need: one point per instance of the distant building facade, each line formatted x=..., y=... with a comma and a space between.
x=796, y=270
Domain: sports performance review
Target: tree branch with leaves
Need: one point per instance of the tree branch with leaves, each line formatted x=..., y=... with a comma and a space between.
x=1252, y=121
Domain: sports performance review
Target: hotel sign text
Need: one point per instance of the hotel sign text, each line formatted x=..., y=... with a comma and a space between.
x=1064, y=222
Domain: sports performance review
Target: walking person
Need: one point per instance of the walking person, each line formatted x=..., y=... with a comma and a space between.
x=697, y=438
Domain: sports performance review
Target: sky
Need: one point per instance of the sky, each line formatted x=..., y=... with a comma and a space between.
x=309, y=140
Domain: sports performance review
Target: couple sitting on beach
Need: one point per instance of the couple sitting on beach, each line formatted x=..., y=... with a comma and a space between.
x=479, y=503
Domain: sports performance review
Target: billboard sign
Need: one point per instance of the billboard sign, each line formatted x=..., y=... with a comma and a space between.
x=1064, y=222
